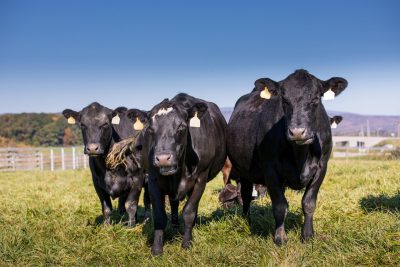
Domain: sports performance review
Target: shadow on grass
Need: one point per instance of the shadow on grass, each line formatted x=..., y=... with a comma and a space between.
x=382, y=203
x=117, y=218
x=262, y=221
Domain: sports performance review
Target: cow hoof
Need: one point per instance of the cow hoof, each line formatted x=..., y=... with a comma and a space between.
x=307, y=237
x=156, y=251
x=186, y=244
x=131, y=224
x=280, y=239
x=107, y=222
x=147, y=215
x=175, y=222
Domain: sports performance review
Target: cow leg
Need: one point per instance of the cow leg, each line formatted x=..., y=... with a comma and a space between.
x=239, y=189
x=159, y=215
x=174, y=203
x=190, y=210
x=121, y=204
x=246, y=188
x=279, y=207
x=132, y=200
x=309, y=200
x=147, y=203
x=105, y=200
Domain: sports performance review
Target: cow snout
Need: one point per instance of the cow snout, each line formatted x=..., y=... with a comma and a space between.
x=93, y=149
x=297, y=133
x=163, y=159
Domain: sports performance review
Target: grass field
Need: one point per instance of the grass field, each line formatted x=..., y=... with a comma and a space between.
x=53, y=218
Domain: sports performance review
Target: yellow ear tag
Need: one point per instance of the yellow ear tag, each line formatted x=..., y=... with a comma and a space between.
x=138, y=125
x=195, y=121
x=329, y=95
x=71, y=120
x=334, y=125
x=254, y=193
x=115, y=120
x=265, y=93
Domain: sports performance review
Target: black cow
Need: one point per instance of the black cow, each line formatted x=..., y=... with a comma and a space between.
x=279, y=135
x=101, y=128
x=185, y=144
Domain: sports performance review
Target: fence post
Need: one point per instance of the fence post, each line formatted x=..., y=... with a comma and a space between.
x=41, y=161
x=37, y=159
x=51, y=159
x=73, y=158
x=62, y=159
x=11, y=156
x=84, y=161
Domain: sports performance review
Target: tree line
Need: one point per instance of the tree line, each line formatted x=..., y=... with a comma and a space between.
x=38, y=129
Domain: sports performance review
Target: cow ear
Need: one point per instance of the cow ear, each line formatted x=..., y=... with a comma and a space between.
x=195, y=113
x=335, y=85
x=116, y=115
x=336, y=119
x=119, y=111
x=267, y=85
x=71, y=116
x=138, y=117
x=200, y=108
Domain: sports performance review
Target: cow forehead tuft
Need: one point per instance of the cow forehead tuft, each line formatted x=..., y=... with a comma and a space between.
x=163, y=111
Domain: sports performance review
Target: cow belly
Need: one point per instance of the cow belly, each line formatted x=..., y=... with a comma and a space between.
x=116, y=188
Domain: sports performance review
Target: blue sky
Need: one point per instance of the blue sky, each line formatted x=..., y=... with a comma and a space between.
x=59, y=54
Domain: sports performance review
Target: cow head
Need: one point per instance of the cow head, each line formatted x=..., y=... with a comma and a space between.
x=95, y=123
x=301, y=94
x=168, y=129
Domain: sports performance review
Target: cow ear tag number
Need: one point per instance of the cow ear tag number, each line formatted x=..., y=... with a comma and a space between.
x=138, y=125
x=334, y=125
x=71, y=120
x=265, y=93
x=115, y=120
x=195, y=121
x=329, y=95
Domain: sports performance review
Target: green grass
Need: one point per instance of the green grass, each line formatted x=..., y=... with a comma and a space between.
x=54, y=219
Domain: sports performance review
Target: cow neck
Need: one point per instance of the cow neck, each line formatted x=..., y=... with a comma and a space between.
x=302, y=154
x=99, y=166
x=191, y=159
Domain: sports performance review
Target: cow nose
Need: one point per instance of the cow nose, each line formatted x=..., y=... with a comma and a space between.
x=93, y=148
x=163, y=159
x=297, y=133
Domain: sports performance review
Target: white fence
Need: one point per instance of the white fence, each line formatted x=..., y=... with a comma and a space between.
x=15, y=159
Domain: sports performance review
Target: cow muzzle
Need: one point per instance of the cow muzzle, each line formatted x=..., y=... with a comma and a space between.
x=165, y=163
x=300, y=136
x=93, y=149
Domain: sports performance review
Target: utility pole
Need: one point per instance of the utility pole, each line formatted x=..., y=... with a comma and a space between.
x=398, y=130
x=368, y=130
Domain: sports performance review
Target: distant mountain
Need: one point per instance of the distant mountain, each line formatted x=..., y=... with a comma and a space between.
x=355, y=124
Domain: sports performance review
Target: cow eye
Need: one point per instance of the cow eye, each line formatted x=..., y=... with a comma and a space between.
x=315, y=101
x=150, y=130
x=181, y=128
x=285, y=101
x=104, y=126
